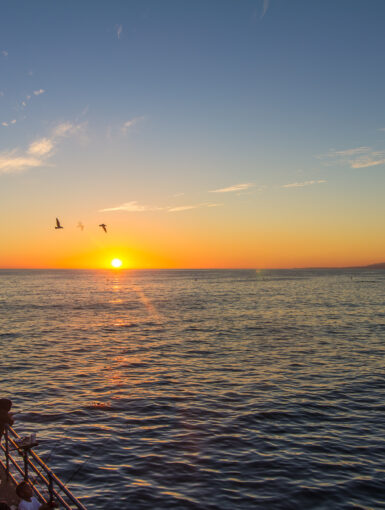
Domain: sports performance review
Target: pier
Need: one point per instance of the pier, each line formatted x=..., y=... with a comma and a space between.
x=7, y=489
x=47, y=487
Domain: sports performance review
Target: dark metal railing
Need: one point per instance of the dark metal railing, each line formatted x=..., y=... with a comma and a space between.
x=44, y=475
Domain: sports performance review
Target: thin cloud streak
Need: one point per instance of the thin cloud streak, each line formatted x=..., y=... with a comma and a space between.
x=119, y=30
x=265, y=7
x=194, y=206
x=11, y=163
x=183, y=208
x=351, y=152
x=367, y=162
x=236, y=187
x=359, y=157
x=132, y=206
x=303, y=184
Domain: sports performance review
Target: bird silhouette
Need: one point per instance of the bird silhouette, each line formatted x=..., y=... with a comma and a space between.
x=80, y=225
x=58, y=224
x=104, y=227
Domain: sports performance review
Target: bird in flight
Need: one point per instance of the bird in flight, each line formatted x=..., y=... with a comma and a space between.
x=58, y=224
x=104, y=227
x=80, y=225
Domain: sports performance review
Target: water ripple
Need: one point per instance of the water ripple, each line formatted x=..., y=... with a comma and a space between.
x=202, y=389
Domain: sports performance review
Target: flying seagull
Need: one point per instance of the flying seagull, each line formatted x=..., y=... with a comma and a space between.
x=58, y=224
x=104, y=227
x=80, y=225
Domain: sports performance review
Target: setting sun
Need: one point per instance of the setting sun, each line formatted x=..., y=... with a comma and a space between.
x=116, y=263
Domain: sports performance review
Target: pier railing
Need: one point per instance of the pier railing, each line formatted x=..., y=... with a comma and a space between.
x=44, y=479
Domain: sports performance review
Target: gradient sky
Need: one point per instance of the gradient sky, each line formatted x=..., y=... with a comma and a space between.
x=229, y=133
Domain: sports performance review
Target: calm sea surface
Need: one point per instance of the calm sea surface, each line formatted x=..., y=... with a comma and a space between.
x=202, y=389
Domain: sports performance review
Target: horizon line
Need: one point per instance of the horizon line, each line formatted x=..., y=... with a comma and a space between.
x=186, y=268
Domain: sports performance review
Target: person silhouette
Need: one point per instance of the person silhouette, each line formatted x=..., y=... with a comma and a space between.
x=5, y=414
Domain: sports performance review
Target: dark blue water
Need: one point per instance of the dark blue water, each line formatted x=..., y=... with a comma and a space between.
x=202, y=389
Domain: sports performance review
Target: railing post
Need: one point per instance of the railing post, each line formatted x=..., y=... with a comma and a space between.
x=25, y=456
x=49, y=479
x=6, y=451
x=50, y=487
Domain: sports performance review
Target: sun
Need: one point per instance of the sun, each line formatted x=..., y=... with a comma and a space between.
x=116, y=263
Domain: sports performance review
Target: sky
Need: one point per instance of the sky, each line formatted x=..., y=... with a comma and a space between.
x=204, y=134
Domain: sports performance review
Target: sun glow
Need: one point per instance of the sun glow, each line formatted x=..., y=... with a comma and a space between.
x=116, y=263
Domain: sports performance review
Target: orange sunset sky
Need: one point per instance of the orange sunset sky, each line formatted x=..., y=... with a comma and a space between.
x=202, y=137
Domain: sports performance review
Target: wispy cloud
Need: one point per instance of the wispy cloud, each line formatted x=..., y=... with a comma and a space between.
x=183, y=208
x=236, y=187
x=130, y=123
x=68, y=129
x=132, y=206
x=4, y=53
x=37, y=153
x=63, y=129
x=118, y=30
x=367, y=162
x=8, y=123
x=28, y=97
x=41, y=147
x=265, y=6
x=350, y=152
x=194, y=206
x=359, y=157
x=11, y=162
x=303, y=184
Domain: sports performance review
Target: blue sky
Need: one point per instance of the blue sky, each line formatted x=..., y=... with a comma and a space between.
x=162, y=102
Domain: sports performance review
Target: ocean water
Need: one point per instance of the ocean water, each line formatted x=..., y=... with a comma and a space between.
x=201, y=389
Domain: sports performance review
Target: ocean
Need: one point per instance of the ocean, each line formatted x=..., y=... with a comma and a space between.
x=210, y=389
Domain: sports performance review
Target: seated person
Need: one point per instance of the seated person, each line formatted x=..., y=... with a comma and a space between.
x=5, y=415
x=28, y=500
